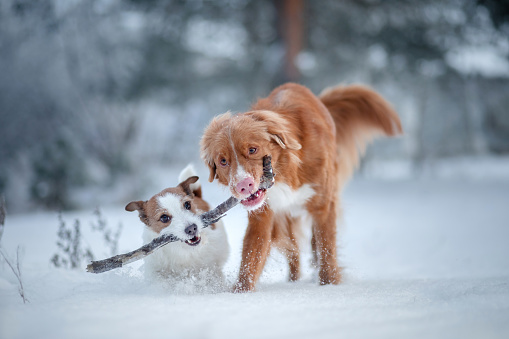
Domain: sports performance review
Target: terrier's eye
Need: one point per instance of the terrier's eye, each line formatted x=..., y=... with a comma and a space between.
x=223, y=162
x=253, y=150
x=187, y=205
x=165, y=218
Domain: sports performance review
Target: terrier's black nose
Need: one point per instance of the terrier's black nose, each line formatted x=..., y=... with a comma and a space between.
x=191, y=230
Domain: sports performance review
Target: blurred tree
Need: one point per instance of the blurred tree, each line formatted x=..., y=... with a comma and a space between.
x=290, y=22
x=499, y=11
x=93, y=71
x=65, y=68
x=55, y=173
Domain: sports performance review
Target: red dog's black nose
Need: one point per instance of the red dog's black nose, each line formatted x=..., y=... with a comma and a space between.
x=191, y=230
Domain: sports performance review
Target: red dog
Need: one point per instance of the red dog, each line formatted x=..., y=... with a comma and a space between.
x=315, y=144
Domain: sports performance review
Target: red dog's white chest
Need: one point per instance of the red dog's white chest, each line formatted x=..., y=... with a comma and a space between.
x=283, y=199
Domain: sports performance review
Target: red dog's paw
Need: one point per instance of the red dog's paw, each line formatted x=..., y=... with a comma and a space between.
x=330, y=275
x=242, y=288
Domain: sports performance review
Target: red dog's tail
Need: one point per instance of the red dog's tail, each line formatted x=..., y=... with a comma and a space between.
x=360, y=114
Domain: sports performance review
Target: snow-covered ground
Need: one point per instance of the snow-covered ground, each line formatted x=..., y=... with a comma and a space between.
x=423, y=259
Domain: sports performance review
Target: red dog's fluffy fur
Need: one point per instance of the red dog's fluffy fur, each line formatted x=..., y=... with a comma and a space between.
x=315, y=144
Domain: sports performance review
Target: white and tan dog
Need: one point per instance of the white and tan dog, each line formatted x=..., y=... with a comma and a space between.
x=177, y=211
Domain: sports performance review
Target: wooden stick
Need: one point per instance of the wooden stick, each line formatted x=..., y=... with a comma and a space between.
x=208, y=218
x=126, y=258
x=267, y=180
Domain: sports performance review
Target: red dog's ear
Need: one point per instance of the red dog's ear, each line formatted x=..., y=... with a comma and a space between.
x=209, y=142
x=212, y=168
x=278, y=130
x=285, y=142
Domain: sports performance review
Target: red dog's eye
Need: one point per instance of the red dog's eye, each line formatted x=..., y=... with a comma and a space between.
x=223, y=162
x=253, y=150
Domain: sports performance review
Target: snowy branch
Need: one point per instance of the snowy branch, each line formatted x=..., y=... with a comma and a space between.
x=15, y=268
x=2, y=216
x=208, y=219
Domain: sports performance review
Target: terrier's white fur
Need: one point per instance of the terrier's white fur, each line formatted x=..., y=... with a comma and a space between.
x=178, y=259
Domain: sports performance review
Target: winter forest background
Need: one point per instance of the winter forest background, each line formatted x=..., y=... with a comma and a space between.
x=104, y=101
x=97, y=95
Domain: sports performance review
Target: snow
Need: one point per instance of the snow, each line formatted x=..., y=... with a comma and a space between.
x=487, y=61
x=423, y=259
x=216, y=39
x=471, y=168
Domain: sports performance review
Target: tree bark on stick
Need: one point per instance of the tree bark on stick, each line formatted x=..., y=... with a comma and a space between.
x=208, y=218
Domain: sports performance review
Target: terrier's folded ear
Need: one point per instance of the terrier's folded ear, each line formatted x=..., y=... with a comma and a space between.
x=186, y=184
x=140, y=207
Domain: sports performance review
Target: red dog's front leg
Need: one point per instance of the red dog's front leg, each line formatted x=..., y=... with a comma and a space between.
x=256, y=249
